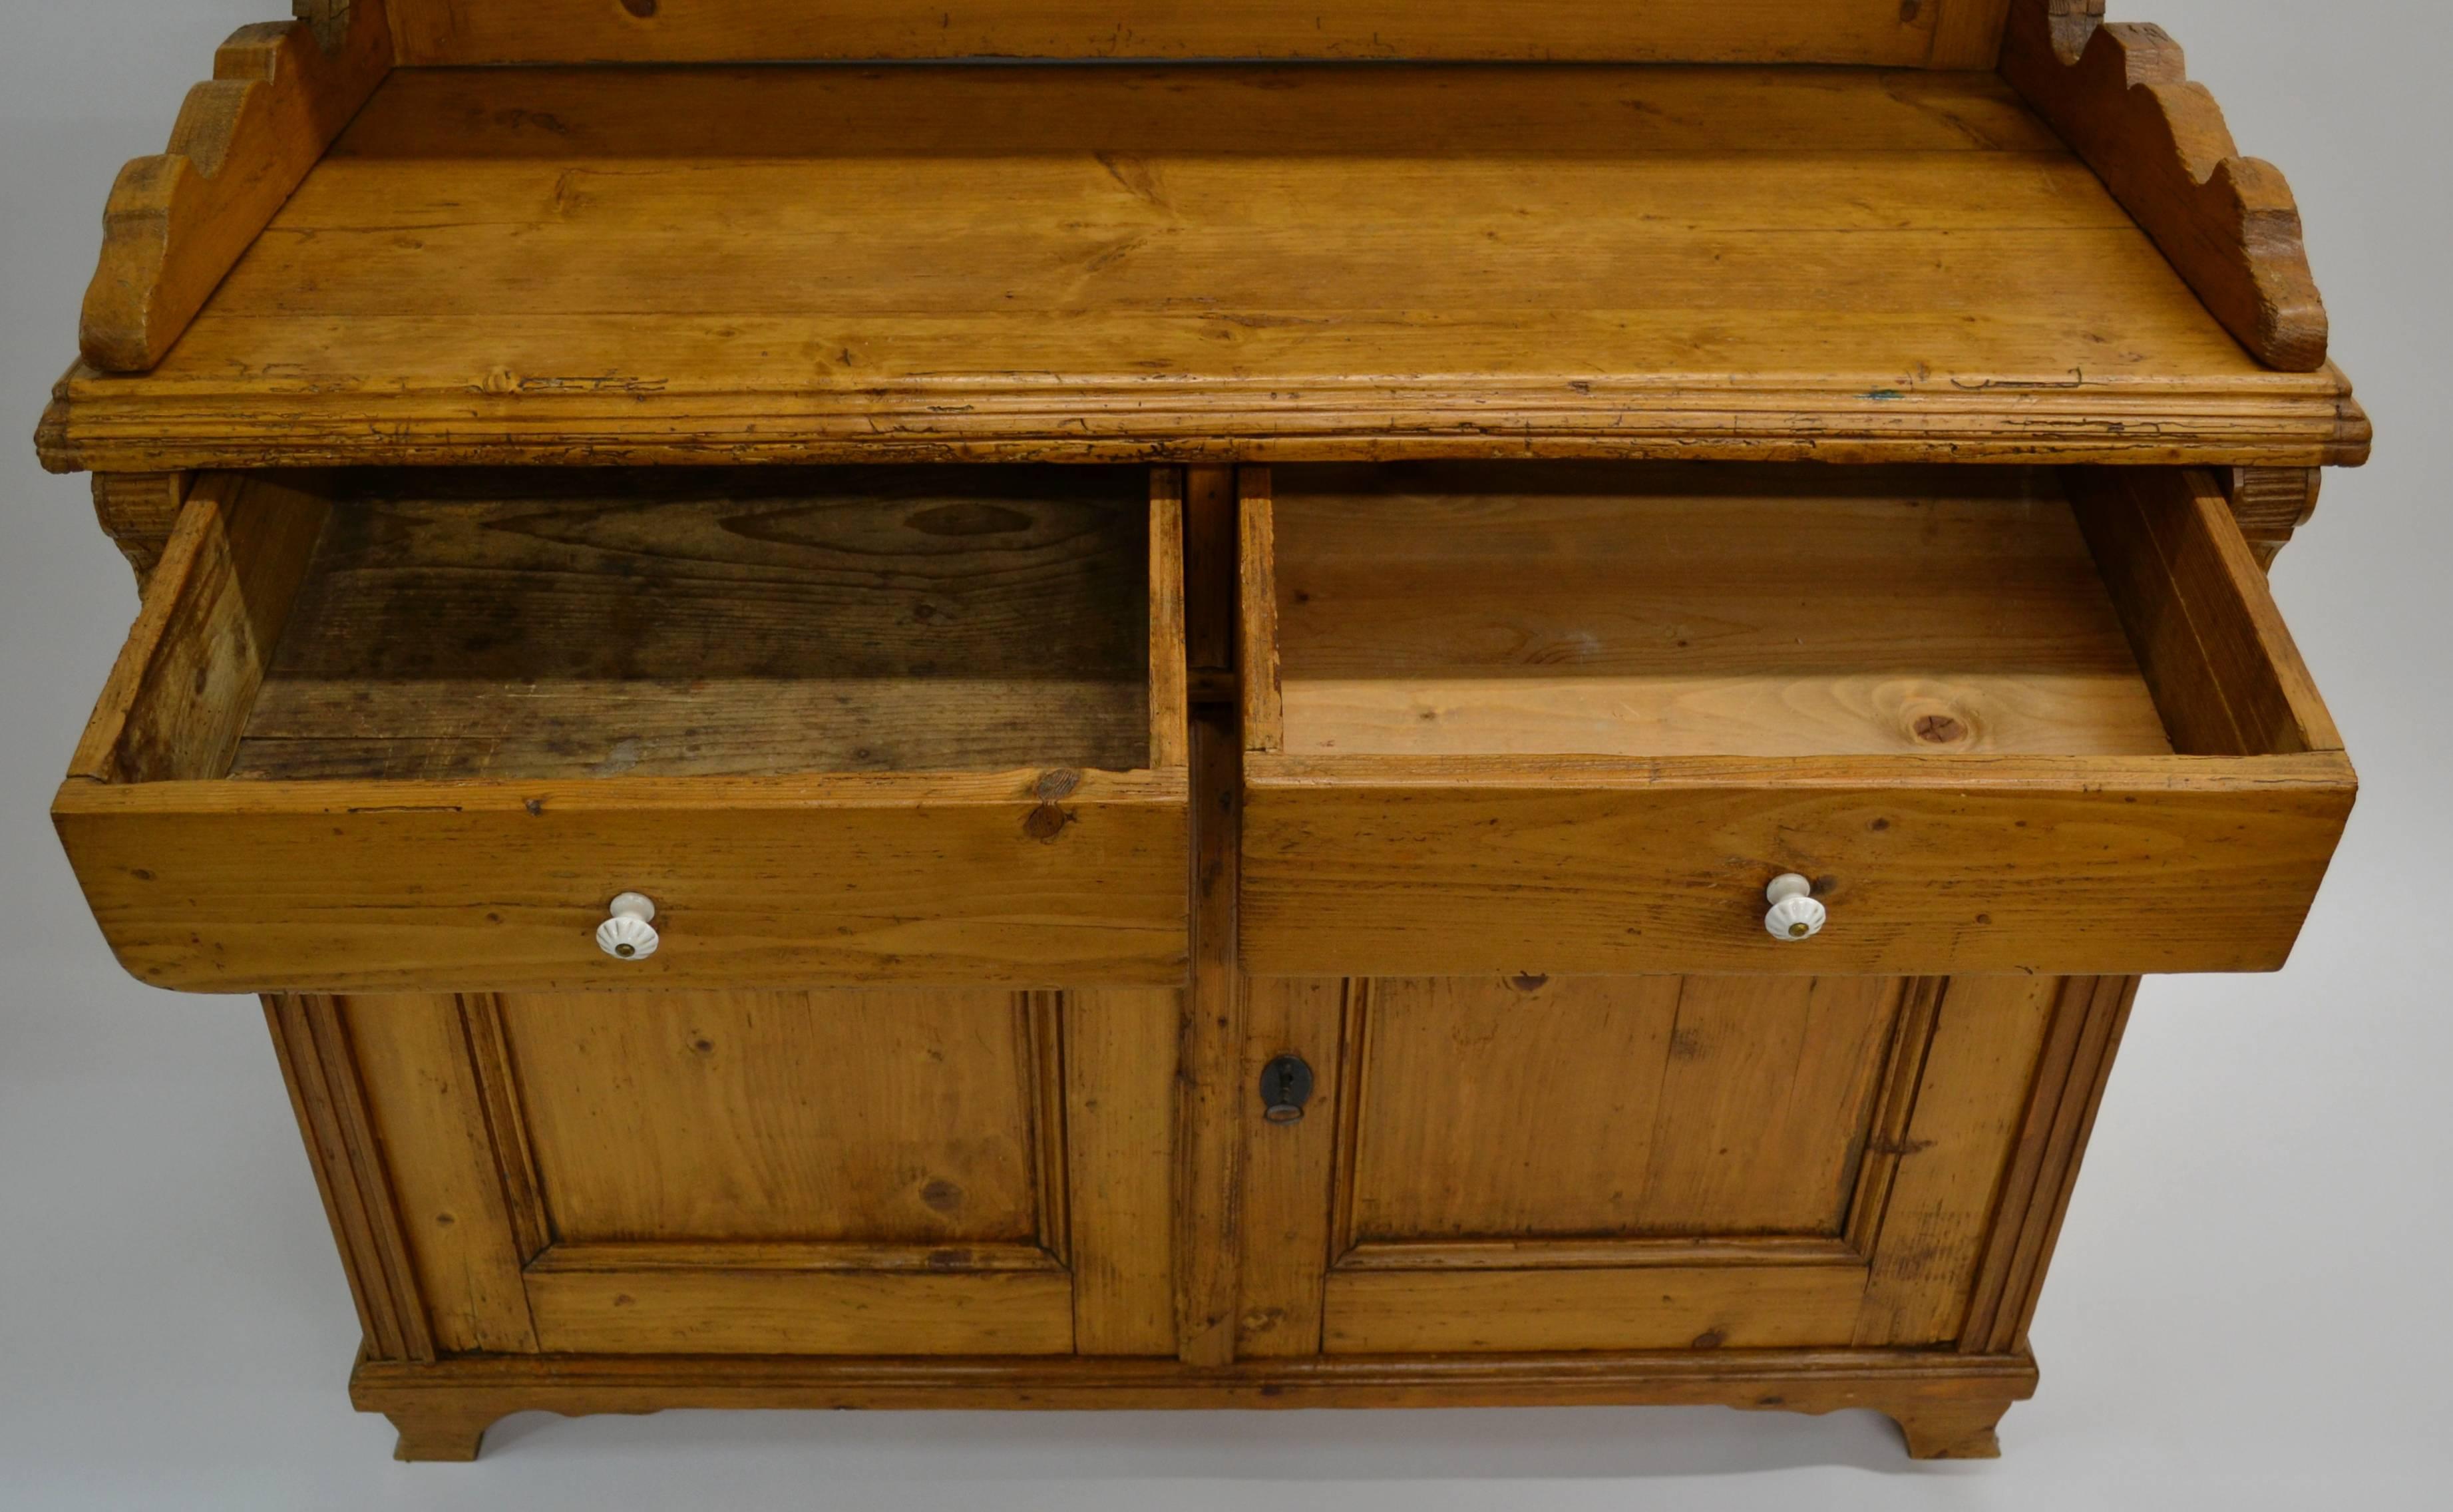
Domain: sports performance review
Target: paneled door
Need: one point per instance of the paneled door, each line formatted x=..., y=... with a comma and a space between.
x=1491, y=1165
x=863, y=1172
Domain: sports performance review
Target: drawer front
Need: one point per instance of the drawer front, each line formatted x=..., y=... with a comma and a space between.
x=2133, y=773
x=228, y=887
x=427, y=732
x=1601, y=872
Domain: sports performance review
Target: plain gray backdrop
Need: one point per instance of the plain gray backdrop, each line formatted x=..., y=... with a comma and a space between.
x=2249, y=1309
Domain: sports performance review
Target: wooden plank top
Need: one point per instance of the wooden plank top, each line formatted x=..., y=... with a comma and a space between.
x=1943, y=34
x=964, y=262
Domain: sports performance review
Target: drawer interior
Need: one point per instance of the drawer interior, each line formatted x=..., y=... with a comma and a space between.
x=555, y=624
x=1672, y=610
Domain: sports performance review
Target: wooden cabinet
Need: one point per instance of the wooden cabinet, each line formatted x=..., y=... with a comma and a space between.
x=1052, y=736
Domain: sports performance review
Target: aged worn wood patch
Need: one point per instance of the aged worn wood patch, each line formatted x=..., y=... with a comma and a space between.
x=690, y=624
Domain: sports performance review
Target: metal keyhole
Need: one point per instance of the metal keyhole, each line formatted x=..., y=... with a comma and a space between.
x=1285, y=1086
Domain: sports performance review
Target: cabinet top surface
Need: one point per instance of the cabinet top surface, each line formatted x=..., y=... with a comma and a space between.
x=668, y=264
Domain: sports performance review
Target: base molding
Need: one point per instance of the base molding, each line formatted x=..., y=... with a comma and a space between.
x=1945, y=1404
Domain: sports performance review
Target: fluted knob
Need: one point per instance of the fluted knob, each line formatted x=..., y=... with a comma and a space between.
x=1794, y=913
x=629, y=934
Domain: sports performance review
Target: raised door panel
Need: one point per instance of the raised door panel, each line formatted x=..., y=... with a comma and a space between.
x=1612, y=1108
x=1501, y=1165
x=873, y=1172
x=893, y=1119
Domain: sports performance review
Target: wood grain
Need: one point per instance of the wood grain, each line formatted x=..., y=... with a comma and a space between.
x=425, y=1105
x=506, y=1125
x=2270, y=505
x=2088, y=1017
x=318, y=1065
x=1120, y=1067
x=1619, y=1108
x=1055, y=875
x=1245, y=263
x=1855, y=31
x=1452, y=609
x=1169, y=662
x=228, y=886
x=2209, y=638
x=806, y=1312
x=1935, y=866
x=1259, y=640
x=177, y=223
x=2229, y=223
x=1288, y=1168
x=1504, y=823
x=886, y=1117
x=174, y=705
x=456, y=1398
x=1989, y=1035
x=139, y=510
x=570, y=624
x=1209, y=1096
x=1706, y=1308
x=1956, y=1431
x=1967, y=33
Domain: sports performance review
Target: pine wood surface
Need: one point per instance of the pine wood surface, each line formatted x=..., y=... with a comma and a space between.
x=1945, y=1404
x=1490, y=1164
x=1047, y=876
x=139, y=511
x=1501, y=609
x=1122, y=1054
x=1950, y=33
x=319, y=1067
x=848, y=1171
x=949, y=759
x=459, y=1173
x=1959, y=864
x=2121, y=95
x=1612, y=1107
x=219, y=886
x=176, y=223
x=896, y=1116
x=1211, y=1097
x=717, y=1307
x=1970, y=1089
x=661, y=265
x=1571, y=845
x=494, y=625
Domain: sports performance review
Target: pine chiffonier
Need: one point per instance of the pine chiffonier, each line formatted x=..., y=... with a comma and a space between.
x=1263, y=703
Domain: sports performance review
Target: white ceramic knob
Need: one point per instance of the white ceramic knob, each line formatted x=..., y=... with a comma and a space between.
x=629, y=934
x=1794, y=914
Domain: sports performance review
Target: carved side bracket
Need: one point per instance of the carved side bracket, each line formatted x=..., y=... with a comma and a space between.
x=2272, y=503
x=179, y=222
x=138, y=511
x=2120, y=97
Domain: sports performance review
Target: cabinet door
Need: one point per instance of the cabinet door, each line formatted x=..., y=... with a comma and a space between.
x=865, y=1173
x=1642, y=1163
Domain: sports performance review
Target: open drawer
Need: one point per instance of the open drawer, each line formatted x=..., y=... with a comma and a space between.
x=1568, y=719
x=397, y=729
